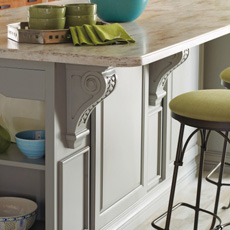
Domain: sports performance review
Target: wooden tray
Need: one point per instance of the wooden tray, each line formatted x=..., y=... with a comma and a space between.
x=20, y=32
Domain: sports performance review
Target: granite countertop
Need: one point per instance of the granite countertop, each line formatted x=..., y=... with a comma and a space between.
x=166, y=27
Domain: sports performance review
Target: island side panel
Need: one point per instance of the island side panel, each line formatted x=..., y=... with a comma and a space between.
x=116, y=134
x=113, y=206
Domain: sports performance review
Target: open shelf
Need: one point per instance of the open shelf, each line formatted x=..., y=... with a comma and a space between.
x=13, y=157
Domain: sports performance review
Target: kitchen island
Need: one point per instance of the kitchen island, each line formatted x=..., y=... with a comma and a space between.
x=109, y=136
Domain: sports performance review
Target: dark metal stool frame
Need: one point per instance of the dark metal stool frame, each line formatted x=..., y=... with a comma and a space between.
x=225, y=84
x=221, y=165
x=205, y=128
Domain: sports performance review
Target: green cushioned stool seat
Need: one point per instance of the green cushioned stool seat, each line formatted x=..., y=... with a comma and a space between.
x=206, y=105
x=225, y=75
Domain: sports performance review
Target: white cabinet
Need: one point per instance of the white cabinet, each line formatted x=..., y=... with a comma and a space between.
x=117, y=171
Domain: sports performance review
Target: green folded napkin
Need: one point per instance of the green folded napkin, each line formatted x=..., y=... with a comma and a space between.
x=99, y=34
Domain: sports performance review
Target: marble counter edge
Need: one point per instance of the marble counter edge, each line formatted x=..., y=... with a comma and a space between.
x=71, y=59
x=187, y=44
x=115, y=61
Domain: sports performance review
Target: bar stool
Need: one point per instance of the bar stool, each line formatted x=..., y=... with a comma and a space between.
x=206, y=110
x=225, y=81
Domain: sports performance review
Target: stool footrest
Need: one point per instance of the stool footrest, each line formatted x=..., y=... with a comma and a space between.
x=188, y=206
x=225, y=225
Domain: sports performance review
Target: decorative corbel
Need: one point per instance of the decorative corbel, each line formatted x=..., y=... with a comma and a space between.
x=159, y=72
x=86, y=87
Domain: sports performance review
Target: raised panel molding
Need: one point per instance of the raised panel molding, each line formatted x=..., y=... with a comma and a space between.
x=154, y=146
x=86, y=87
x=74, y=191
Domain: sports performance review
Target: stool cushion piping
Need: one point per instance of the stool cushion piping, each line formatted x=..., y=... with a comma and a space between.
x=206, y=105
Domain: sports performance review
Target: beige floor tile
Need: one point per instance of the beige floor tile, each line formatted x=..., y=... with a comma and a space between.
x=182, y=218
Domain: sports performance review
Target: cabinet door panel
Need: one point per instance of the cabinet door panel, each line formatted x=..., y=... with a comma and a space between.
x=154, y=148
x=118, y=148
x=121, y=144
x=74, y=191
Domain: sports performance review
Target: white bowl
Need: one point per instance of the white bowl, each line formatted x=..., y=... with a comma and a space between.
x=17, y=213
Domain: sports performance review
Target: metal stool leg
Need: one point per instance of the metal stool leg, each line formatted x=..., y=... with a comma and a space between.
x=199, y=184
x=177, y=163
x=219, y=183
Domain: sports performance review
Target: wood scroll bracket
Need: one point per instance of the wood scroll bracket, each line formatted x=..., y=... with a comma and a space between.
x=86, y=87
x=159, y=72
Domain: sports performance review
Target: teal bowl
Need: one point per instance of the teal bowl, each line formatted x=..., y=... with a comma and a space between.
x=81, y=9
x=119, y=10
x=47, y=24
x=46, y=11
x=81, y=20
x=31, y=143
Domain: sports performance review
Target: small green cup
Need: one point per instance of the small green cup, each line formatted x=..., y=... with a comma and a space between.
x=47, y=24
x=46, y=11
x=81, y=9
x=81, y=20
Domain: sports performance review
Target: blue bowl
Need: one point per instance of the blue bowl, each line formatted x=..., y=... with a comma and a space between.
x=119, y=10
x=31, y=143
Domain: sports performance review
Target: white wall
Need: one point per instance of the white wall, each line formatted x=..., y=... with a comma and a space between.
x=216, y=58
x=20, y=114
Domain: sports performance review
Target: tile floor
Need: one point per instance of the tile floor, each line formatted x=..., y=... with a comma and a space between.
x=183, y=217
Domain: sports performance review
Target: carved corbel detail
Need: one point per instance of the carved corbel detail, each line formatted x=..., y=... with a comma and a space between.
x=86, y=87
x=159, y=72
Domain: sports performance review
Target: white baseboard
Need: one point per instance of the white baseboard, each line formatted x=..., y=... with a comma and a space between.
x=212, y=158
x=153, y=202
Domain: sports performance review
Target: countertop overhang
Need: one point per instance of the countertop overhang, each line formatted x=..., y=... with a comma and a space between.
x=165, y=28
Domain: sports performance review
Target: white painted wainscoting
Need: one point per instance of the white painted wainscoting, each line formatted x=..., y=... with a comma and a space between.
x=134, y=145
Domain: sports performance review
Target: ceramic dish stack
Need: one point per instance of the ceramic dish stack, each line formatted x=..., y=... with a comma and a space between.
x=17, y=213
x=46, y=17
x=80, y=14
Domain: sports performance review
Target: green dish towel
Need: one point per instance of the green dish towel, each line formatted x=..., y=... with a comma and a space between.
x=99, y=35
